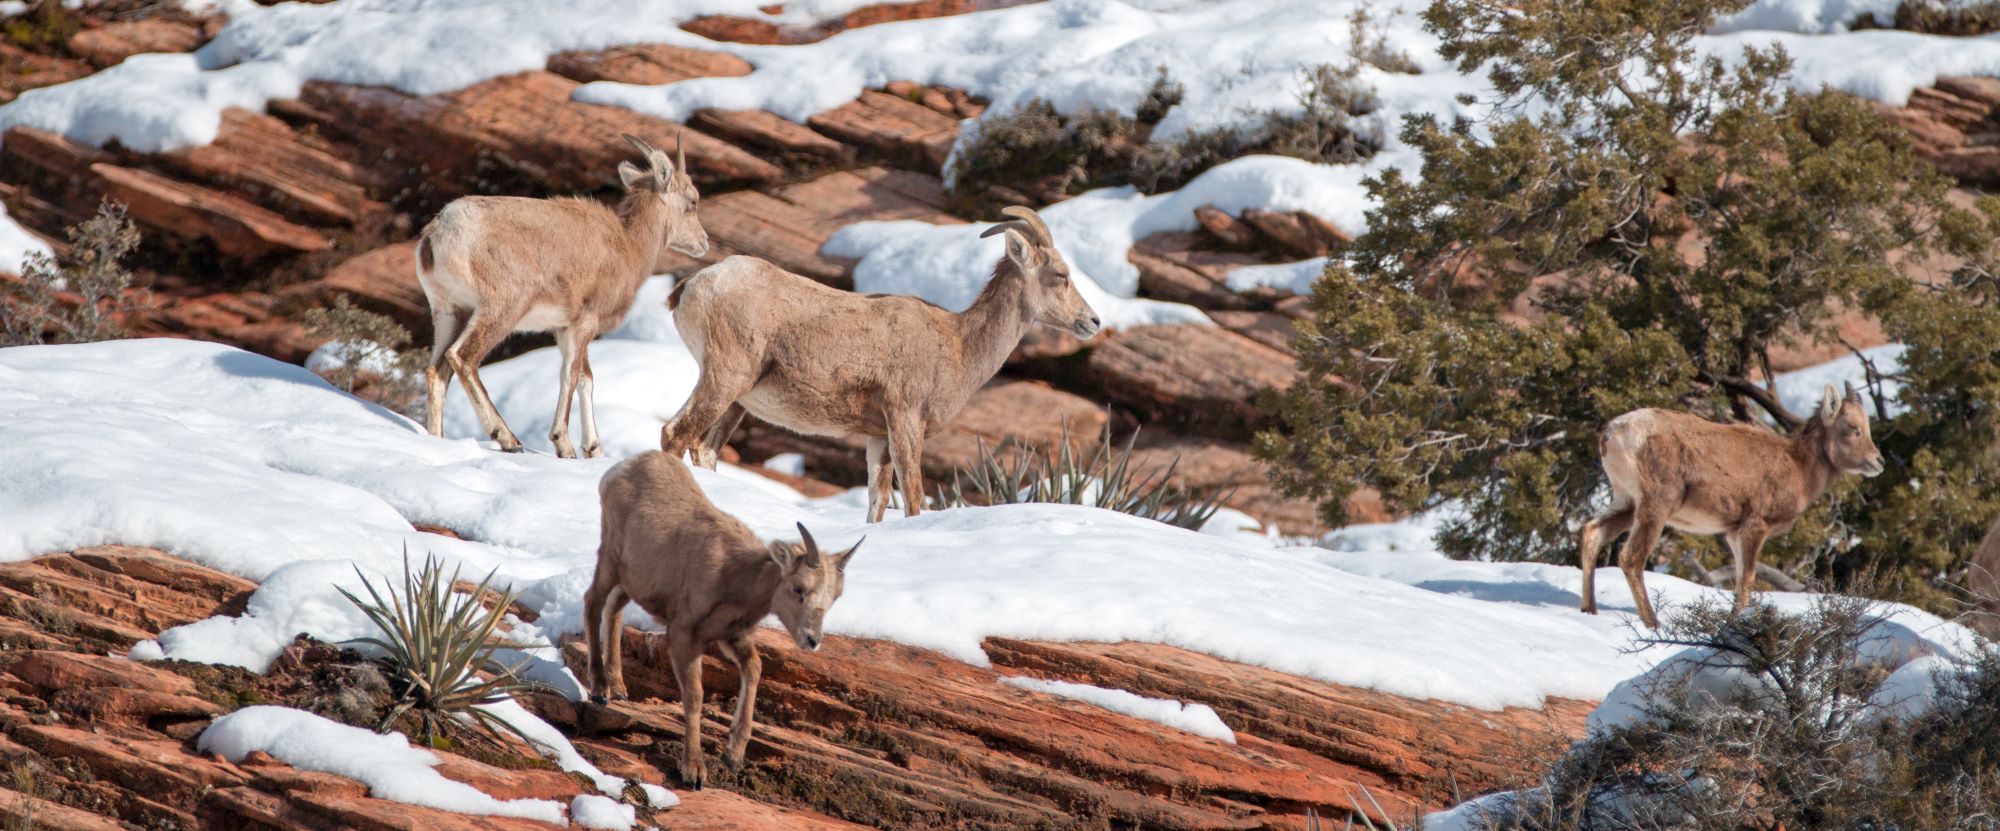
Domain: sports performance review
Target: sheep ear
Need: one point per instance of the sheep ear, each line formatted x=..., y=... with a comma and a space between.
x=840, y=560
x=1829, y=404
x=782, y=553
x=631, y=175
x=1018, y=249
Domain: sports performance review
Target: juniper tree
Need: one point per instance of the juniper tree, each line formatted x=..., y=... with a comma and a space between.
x=1641, y=224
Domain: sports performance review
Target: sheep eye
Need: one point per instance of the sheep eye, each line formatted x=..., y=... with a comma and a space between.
x=799, y=590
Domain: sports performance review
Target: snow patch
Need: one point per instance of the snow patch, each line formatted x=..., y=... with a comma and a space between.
x=17, y=245
x=593, y=811
x=386, y=763
x=1199, y=719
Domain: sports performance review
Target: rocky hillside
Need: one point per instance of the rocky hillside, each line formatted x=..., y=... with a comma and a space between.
x=862, y=734
x=319, y=198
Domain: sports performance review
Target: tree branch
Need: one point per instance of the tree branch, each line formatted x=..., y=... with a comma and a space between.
x=1764, y=398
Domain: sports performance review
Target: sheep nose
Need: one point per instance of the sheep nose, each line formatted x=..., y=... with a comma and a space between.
x=812, y=643
x=1095, y=323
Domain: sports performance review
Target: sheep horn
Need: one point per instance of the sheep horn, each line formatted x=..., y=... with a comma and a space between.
x=1033, y=220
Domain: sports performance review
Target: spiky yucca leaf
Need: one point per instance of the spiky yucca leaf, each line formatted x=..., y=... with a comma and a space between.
x=437, y=646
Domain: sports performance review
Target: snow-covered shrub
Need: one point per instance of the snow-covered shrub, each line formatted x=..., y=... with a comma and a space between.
x=1042, y=155
x=1103, y=478
x=367, y=354
x=81, y=299
x=1776, y=720
x=436, y=645
x=1940, y=17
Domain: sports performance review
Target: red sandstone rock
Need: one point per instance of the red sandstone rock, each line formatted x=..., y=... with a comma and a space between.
x=1197, y=378
x=114, y=42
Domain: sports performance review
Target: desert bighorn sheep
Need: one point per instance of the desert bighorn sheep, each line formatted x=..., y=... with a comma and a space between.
x=706, y=579
x=494, y=265
x=824, y=362
x=1747, y=483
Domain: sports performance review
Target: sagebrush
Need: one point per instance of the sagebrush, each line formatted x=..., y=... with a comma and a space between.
x=1800, y=739
x=370, y=355
x=87, y=296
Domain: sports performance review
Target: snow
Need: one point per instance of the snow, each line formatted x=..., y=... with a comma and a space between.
x=1800, y=391
x=17, y=245
x=370, y=357
x=593, y=811
x=1296, y=277
x=173, y=444
x=161, y=102
x=1199, y=719
x=297, y=597
x=386, y=763
x=790, y=464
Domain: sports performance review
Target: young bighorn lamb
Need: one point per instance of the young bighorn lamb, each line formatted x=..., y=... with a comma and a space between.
x=1674, y=470
x=825, y=362
x=493, y=265
x=706, y=579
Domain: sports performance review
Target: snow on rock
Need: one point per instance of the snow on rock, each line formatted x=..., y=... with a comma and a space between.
x=593, y=811
x=368, y=355
x=248, y=465
x=17, y=245
x=298, y=597
x=553, y=743
x=160, y=102
x=1913, y=689
x=386, y=763
x=1199, y=719
x=1296, y=278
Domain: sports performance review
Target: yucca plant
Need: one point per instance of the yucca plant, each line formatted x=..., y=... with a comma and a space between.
x=437, y=646
x=1104, y=479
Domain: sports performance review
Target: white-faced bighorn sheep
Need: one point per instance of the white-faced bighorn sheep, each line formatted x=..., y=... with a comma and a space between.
x=1747, y=483
x=824, y=362
x=706, y=579
x=494, y=265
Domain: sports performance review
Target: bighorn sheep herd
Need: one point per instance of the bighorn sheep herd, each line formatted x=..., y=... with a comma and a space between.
x=895, y=370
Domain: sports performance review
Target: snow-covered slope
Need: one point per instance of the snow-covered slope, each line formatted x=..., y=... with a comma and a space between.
x=17, y=245
x=255, y=467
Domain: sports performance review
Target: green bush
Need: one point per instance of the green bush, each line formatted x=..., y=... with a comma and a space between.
x=1103, y=479
x=1659, y=272
x=84, y=298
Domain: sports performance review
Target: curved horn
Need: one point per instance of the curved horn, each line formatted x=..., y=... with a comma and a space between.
x=640, y=145
x=999, y=227
x=680, y=153
x=1853, y=394
x=1033, y=220
x=807, y=538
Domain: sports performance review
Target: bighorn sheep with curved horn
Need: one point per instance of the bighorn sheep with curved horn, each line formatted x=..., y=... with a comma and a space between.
x=1747, y=483
x=494, y=265
x=824, y=362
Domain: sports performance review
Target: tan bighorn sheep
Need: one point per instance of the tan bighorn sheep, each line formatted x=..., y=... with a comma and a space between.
x=825, y=362
x=494, y=265
x=706, y=579
x=1747, y=483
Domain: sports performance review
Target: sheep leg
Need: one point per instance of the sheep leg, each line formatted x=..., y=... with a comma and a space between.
x=485, y=329
x=1746, y=543
x=685, y=656
x=880, y=478
x=906, y=451
x=1637, y=553
x=574, y=346
x=742, y=652
x=586, y=394
x=717, y=390
x=437, y=375
x=593, y=633
x=1595, y=533
x=613, y=623
x=708, y=453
